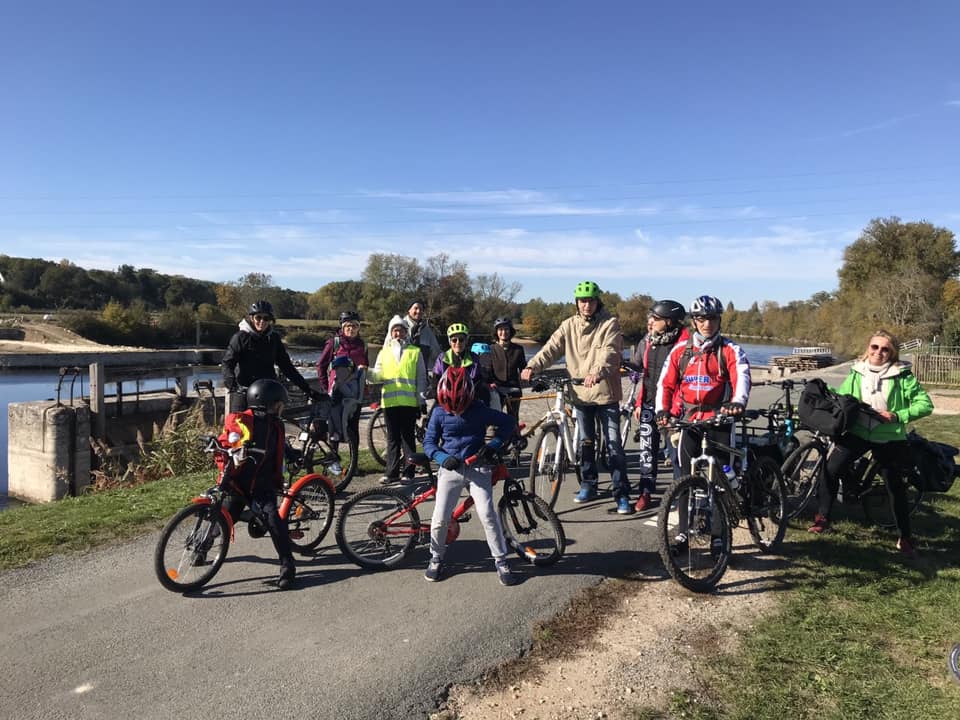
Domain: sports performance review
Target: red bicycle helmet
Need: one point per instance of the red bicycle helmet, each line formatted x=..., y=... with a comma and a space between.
x=455, y=390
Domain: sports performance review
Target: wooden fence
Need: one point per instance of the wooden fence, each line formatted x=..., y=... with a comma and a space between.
x=942, y=368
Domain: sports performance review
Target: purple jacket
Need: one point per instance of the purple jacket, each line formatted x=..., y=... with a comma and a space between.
x=354, y=348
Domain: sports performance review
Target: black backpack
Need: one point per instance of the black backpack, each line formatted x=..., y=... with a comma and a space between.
x=825, y=411
x=934, y=462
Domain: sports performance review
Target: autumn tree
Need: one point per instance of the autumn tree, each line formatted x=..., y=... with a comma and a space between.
x=893, y=276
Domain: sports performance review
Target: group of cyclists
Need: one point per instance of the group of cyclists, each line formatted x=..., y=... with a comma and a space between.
x=691, y=372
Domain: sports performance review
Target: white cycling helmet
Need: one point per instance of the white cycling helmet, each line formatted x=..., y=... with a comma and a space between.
x=706, y=306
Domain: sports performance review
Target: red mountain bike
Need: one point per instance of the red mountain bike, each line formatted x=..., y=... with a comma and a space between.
x=378, y=528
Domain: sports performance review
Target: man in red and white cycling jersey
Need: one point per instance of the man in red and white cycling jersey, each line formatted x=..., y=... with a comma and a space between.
x=708, y=374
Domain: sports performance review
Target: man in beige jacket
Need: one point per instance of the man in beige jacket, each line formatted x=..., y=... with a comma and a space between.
x=592, y=344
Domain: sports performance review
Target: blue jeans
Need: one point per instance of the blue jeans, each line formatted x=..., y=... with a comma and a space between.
x=610, y=419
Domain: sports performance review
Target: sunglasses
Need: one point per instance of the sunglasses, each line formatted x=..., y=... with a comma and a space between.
x=881, y=348
x=705, y=318
x=262, y=318
x=458, y=340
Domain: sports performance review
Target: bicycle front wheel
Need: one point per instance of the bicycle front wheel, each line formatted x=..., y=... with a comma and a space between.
x=377, y=436
x=377, y=528
x=876, y=501
x=765, y=503
x=309, y=516
x=191, y=548
x=699, y=563
x=548, y=465
x=532, y=529
x=346, y=456
x=801, y=474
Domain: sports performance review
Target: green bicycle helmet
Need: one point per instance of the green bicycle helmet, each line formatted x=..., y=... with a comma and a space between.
x=458, y=329
x=586, y=289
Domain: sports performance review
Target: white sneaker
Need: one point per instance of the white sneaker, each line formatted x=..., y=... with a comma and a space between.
x=334, y=468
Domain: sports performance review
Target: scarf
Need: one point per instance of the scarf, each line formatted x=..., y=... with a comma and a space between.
x=667, y=337
x=871, y=386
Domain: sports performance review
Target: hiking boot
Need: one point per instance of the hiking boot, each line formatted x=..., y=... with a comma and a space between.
x=287, y=575
x=505, y=575
x=905, y=546
x=588, y=492
x=716, y=546
x=434, y=571
x=644, y=502
x=680, y=545
x=820, y=524
x=623, y=506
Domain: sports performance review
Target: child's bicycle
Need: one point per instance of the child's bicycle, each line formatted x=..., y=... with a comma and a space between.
x=378, y=528
x=715, y=499
x=193, y=544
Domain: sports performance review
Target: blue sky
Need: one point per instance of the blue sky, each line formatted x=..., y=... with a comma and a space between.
x=673, y=149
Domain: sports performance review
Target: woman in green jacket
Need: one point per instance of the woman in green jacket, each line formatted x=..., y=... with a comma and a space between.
x=884, y=383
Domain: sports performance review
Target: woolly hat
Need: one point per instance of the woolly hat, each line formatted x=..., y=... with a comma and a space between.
x=395, y=320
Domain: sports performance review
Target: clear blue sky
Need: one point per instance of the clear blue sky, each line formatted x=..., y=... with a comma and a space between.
x=674, y=148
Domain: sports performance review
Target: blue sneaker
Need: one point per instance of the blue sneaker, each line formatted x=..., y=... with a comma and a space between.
x=434, y=571
x=623, y=506
x=588, y=492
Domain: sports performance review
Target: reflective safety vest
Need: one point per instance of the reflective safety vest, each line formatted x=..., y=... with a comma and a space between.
x=399, y=379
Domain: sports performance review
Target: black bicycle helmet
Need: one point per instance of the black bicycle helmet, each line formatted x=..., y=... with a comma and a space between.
x=504, y=321
x=669, y=310
x=349, y=316
x=261, y=307
x=264, y=393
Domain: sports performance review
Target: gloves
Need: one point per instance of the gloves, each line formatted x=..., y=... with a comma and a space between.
x=732, y=408
x=663, y=418
x=450, y=462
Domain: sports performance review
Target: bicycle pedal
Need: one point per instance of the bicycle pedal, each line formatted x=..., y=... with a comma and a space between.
x=465, y=518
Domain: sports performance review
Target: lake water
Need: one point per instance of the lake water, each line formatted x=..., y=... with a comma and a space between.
x=26, y=386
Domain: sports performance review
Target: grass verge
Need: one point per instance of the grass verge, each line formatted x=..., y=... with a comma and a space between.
x=863, y=633
x=32, y=532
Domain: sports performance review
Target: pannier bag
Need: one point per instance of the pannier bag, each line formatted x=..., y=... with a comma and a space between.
x=934, y=462
x=825, y=411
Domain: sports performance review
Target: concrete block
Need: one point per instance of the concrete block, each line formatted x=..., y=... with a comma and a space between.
x=48, y=450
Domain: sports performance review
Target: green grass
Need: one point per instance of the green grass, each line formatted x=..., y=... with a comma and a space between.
x=32, y=532
x=862, y=633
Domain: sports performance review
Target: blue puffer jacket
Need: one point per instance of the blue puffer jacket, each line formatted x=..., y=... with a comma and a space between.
x=464, y=435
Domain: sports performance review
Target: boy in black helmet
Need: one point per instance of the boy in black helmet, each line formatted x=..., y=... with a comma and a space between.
x=258, y=477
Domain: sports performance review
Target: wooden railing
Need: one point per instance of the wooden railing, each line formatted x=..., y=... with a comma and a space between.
x=939, y=369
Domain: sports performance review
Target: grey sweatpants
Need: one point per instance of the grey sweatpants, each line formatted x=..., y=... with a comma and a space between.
x=449, y=485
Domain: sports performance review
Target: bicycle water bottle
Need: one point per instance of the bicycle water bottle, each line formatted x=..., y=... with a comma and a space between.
x=731, y=476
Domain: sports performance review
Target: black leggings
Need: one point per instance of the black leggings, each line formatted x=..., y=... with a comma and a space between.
x=894, y=459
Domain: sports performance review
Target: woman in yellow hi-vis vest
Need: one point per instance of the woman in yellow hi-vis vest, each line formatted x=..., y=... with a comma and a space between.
x=404, y=380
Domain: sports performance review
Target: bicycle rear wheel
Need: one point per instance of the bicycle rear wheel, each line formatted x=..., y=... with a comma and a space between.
x=310, y=516
x=532, y=529
x=377, y=436
x=376, y=529
x=698, y=566
x=801, y=473
x=191, y=548
x=765, y=503
x=548, y=465
x=876, y=501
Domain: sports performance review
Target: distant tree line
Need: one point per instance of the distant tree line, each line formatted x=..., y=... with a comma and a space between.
x=901, y=276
